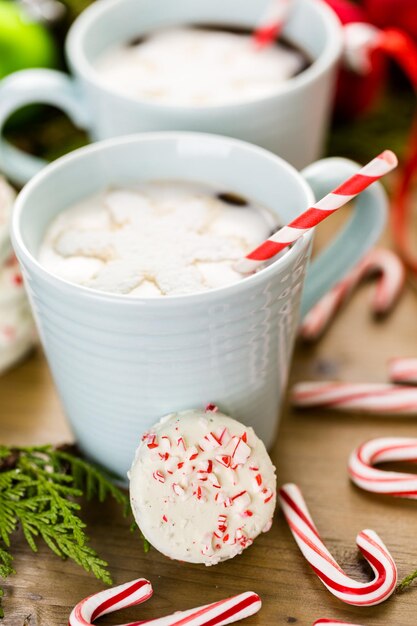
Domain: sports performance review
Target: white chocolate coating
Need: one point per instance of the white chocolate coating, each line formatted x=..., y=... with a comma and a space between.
x=17, y=335
x=197, y=67
x=153, y=239
x=12, y=291
x=7, y=197
x=202, y=487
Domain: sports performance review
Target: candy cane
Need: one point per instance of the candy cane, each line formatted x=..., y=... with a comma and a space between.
x=215, y=614
x=305, y=222
x=378, y=399
x=137, y=591
x=365, y=476
x=109, y=600
x=332, y=622
x=272, y=22
x=360, y=40
x=325, y=566
x=403, y=371
x=389, y=286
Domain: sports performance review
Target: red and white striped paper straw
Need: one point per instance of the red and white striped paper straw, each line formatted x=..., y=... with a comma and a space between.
x=215, y=614
x=324, y=565
x=302, y=224
x=374, y=398
x=391, y=277
x=332, y=622
x=365, y=476
x=272, y=22
x=403, y=371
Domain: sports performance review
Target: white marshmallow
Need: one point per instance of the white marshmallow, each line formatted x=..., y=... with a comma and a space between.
x=197, y=67
x=156, y=238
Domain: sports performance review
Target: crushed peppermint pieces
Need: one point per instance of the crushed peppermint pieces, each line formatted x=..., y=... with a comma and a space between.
x=236, y=453
x=159, y=476
x=212, y=408
x=150, y=440
x=217, y=467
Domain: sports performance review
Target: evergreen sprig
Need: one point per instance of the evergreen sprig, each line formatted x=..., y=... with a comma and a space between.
x=406, y=582
x=39, y=492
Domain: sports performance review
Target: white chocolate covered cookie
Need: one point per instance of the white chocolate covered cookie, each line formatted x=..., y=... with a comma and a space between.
x=17, y=334
x=7, y=196
x=202, y=486
x=11, y=283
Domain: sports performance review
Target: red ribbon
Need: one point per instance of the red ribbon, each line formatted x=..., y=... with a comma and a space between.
x=402, y=48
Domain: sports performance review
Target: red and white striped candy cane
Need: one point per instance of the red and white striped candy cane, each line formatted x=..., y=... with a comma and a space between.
x=332, y=622
x=360, y=40
x=365, y=476
x=272, y=22
x=216, y=614
x=374, y=398
x=327, y=569
x=333, y=201
x=109, y=600
x=403, y=371
x=391, y=277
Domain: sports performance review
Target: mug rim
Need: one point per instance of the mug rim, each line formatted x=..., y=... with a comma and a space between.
x=80, y=64
x=29, y=259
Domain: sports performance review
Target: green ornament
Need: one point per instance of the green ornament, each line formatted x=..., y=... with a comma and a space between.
x=23, y=42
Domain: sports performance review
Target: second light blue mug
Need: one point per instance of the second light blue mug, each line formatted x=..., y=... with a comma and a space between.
x=291, y=121
x=120, y=362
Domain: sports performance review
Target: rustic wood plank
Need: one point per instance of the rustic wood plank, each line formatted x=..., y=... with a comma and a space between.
x=312, y=450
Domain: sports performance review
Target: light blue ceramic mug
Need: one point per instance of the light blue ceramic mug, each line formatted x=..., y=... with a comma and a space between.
x=119, y=362
x=291, y=121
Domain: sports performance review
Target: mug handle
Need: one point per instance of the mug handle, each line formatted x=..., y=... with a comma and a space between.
x=356, y=238
x=30, y=87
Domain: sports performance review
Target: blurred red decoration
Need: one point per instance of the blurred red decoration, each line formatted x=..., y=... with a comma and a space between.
x=347, y=11
x=383, y=13
x=397, y=40
x=356, y=94
x=398, y=13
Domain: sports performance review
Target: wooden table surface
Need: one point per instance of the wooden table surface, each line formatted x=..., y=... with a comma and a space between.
x=312, y=451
